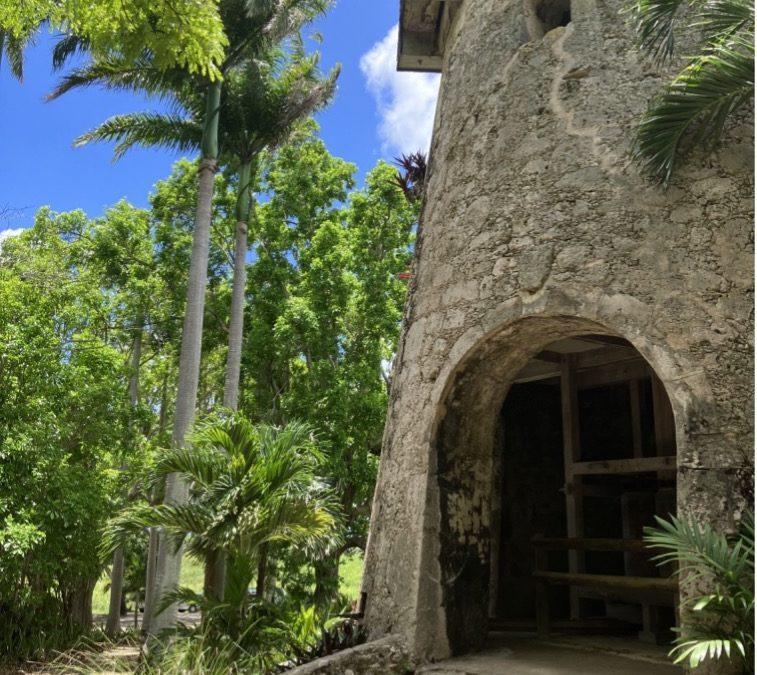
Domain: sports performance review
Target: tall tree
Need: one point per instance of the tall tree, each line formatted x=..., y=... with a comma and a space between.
x=261, y=103
x=253, y=27
x=64, y=423
x=325, y=317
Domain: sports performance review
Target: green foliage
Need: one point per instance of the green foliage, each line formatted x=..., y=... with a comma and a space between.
x=325, y=306
x=250, y=485
x=715, y=84
x=63, y=421
x=178, y=33
x=325, y=315
x=720, y=619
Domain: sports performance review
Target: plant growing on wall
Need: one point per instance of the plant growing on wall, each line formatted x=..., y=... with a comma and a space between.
x=720, y=620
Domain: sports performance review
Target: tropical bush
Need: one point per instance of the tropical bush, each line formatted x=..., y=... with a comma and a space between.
x=719, y=620
x=63, y=422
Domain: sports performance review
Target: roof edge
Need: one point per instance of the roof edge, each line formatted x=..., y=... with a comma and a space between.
x=418, y=46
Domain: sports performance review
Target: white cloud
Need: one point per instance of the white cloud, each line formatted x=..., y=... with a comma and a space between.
x=4, y=234
x=406, y=101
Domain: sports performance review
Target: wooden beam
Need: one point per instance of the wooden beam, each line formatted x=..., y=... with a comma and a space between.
x=594, y=369
x=573, y=482
x=549, y=357
x=588, y=544
x=609, y=581
x=604, y=340
x=621, y=466
x=645, y=590
x=611, y=373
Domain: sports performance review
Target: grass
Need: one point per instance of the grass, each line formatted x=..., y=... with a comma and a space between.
x=191, y=576
x=350, y=573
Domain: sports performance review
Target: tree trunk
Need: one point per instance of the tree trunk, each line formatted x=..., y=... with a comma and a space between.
x=80, y=607
x=239, y=284
x=326, y=581
x=168, y=566
x=152, y=558
x=215, y=579
x=113, y=624
x=262, y=569
x=215, y=574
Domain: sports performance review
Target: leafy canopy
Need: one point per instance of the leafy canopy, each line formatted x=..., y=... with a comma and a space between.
x=177, y=33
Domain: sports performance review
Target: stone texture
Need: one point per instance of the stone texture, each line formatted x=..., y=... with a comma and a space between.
x=382, y=657
x=537, y=227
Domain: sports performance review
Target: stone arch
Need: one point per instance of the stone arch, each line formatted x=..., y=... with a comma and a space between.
x=462, y=443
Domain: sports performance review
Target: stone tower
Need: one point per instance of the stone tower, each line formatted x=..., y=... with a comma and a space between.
x=536, y=228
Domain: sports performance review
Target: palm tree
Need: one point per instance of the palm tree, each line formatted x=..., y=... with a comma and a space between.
x=253, y=28
x=714, y=85
x=249, y=486
x=261, y=103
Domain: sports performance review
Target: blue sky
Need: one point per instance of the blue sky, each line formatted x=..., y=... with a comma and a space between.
x=376, y=113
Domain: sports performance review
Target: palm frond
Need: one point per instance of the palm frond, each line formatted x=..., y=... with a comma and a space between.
x=695, y=107
x=197, y=464
x=723, y=18
x=654, y=22
x=12, y=47
x=68, y=46
x=137, y=76
x=181, y=594
x=147, y=130
x=720, y=621
x=134, y=519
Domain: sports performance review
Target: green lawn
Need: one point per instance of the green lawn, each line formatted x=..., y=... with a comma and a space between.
x=350, y=573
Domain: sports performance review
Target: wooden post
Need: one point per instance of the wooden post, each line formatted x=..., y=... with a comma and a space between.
x=664, y=425
x=542, y=594
x=649, y=614
x=634, y=391
x=573, y=482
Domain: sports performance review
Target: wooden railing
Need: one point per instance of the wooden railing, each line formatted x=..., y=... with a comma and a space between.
x=651, y=590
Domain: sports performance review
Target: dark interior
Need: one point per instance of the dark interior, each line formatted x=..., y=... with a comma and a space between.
x=615, y=505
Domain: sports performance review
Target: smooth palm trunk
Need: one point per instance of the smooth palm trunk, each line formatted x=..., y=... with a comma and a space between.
x=113, y=624
x=168, y=565
x=215, y=566
x=239, y=283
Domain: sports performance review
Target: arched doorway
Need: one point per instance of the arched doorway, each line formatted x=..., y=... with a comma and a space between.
x=507, y=475
x=585, y=458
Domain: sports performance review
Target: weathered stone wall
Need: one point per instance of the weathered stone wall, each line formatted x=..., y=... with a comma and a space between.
x=382, y=657
x=537, y=227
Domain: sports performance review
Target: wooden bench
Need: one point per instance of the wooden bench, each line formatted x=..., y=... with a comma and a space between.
x=646, y=590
